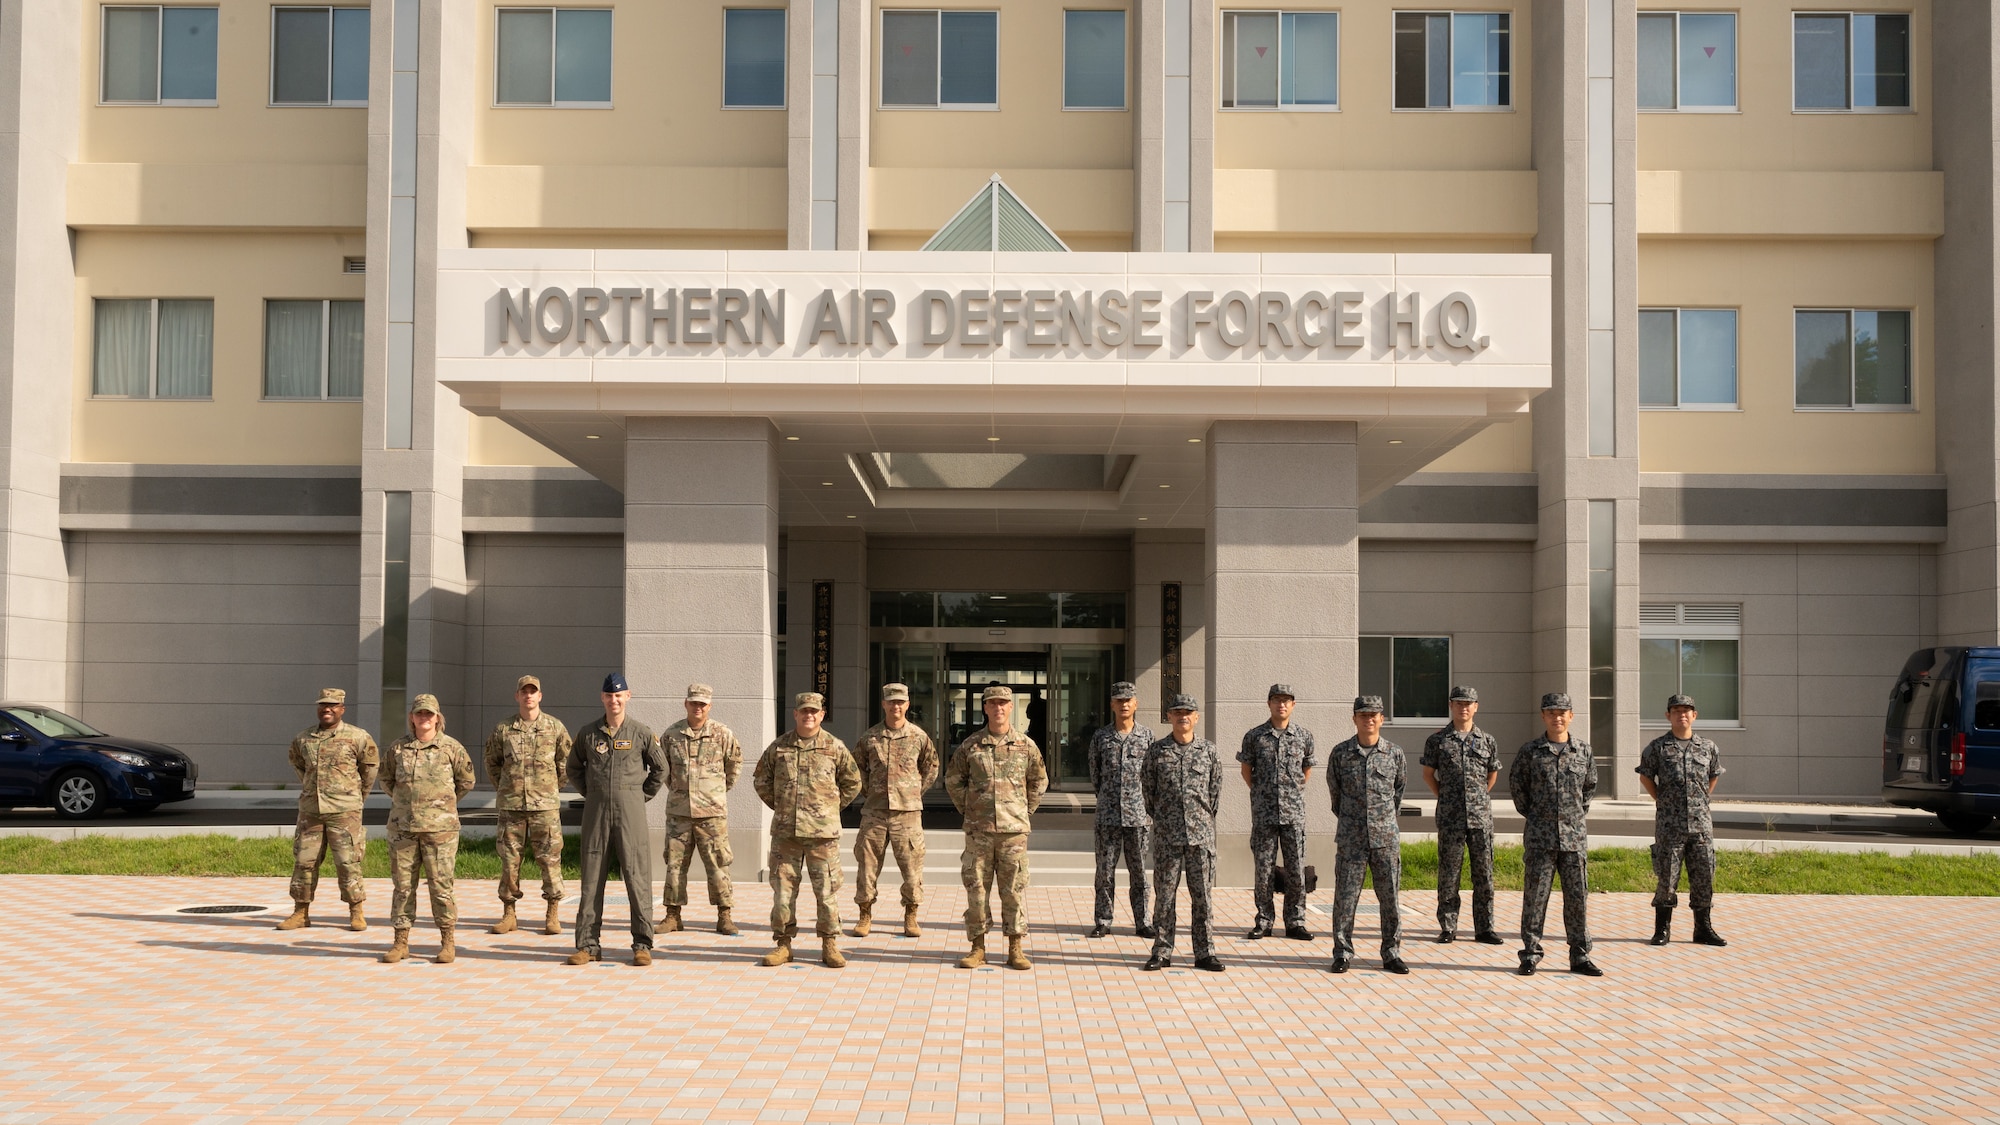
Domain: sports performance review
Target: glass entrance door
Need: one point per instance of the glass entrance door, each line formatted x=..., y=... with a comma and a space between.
x=1084, y=675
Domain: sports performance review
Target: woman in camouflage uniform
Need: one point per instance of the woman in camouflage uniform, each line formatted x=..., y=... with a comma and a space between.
x=426, y=773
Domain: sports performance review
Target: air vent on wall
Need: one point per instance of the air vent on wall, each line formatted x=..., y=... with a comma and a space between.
x=1690, y=613
x=354, y=265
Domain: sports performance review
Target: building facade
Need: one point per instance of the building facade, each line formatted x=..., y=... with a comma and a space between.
x=410, y=347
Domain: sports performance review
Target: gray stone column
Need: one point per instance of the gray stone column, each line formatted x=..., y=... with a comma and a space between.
x=1964, y=47
x=701, y=587
x=855, y=83
x=838, y=555
x=1202, y=24
x=1284, y=596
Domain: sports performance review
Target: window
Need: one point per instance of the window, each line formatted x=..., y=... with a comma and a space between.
x=1693, y=649
x=1852, y=358
x=1093, y=60
x=753, y=58
x=312, y=349
x=1850, y=61
x=319, y=56
x=1687, y=358
x=948, y=60
x=924, y=610
x=153, y=348
x=553, y=56
x=159, y=56
x=1687, y=60
x=1453, y=60
x=1287, y=60
x=1411, y=674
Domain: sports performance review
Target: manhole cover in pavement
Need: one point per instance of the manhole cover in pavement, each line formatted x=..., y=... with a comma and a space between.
x=235, y=908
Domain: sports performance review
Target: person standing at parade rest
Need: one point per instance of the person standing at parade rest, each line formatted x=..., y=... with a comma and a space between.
x=526, y=757
x=1679, y=770
x=1117, y=753
x=1182, y=778
x=1365, y=776
x=427, y=772
x=618, y=766
x=1461, y=763
x=1277, y=757
x=806, y=777
x=336, y=763
x=996, y=779
x=1552, y=779
x=703, y=763
x=898, y=763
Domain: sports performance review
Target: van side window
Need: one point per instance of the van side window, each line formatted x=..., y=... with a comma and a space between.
x=1986, y=706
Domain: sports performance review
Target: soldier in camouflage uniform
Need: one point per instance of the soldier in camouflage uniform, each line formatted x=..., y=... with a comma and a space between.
x=1117, y=752
x=1182, y=780
x=426, y=773
x=1679, y=769
x=618, y=766
x=1552, y=779
x=898, y=762
x=807, y=776
x=703, y=762
x=1461, y=763
x=1365, y=777
x=526, y=757
x=336, y=764
x=996, y=778
x=1277, y=757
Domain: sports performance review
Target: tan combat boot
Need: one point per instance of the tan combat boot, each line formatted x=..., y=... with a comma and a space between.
x=829, y=953
x=670, y=921
x=642, y=956
x=582, y=957
x=975, y=959
x=300, y=918
x=399, y=950
x=722, y=923
x=508, y=923
x=554, y=923
x=447, y=945
x=779, y=955
x=357, y=919
x=865, y=921
x=1017, y=958
x=910, y=926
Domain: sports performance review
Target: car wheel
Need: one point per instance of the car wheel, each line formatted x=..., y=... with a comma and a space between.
x=79, y=795
x=142, y=808
x=1964, y=823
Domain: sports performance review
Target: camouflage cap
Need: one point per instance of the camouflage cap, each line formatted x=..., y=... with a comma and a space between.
x=1556, y=701
x=996, y=691
x=528, y=681
x=700, y=693
x=1183, y=702
x=332, y=695
x=1463, y=694
x=426, y=702
x=1368, y=704
x=1124, y=689
x=893, y=692
x=809, y=701
x=1281, y=689
x=1686, y=701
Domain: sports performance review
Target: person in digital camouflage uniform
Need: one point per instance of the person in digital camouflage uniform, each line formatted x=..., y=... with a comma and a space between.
x=526, y=757
x=426, y=773
x=996, y=778
x=806, y=777
x=1277, y=758
x=703, y=763
x=1182, y=779
x=1552, y=779
x=1117, y=752
x=1364, y=775
x=1461, y=763
x=898, y=763
x=336, y=763
x=1679, y=770
x=618, y=766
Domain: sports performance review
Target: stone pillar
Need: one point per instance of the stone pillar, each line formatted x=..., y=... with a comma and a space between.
x=854, y=83
x=1284, y=595
x=838, y=555
x=1202, y=24
x=701, y=588
x=1149, y=107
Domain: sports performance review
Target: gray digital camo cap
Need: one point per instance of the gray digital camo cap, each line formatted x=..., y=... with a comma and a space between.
x=1365, y=704
x=1183, y=702
x=1556, y=701
x=1124, y=689
x=1463, y=694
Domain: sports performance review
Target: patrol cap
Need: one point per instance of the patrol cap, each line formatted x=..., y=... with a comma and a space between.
x=528, y=681
x=332, y=695
x=1556, y=701
x=1281, y=689
x=615, y=682
x=1463, y=694
x=1368, y=704
x=893, y=692
x=809, y=701
x=996, y=691
x=700, y=693
x=1183, y=702
x=1674, y=701
x=426, y=702
x=1124, y=689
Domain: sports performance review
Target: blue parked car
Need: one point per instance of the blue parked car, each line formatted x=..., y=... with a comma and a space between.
x=48, y=758
x=1941, y=740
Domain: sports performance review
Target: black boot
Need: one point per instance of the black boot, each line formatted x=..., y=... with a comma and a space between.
x=1663, y=921
x=1704, y=934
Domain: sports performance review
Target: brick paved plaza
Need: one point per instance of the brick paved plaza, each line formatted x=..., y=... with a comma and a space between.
x=1823, y=1009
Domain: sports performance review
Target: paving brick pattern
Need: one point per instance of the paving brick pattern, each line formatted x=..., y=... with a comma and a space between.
x=1823, y=1010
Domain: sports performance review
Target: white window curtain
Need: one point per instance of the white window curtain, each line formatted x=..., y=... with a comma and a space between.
x=123, y=345
x=345, y=328
x=292, y=349
x=187, y=348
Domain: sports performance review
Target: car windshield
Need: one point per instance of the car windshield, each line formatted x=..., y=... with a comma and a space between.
x=54, y=723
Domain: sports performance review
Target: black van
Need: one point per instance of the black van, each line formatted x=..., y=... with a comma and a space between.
x=1941, y=740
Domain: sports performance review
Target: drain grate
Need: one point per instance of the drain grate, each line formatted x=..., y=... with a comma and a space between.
x=233, y=908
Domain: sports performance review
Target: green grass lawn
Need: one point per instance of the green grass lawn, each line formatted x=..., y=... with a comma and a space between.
x=1611, y=869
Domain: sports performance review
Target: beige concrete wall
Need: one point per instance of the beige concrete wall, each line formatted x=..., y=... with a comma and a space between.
x=235, y=427
x=1766, y=281
x=489, y=441
x=1504, y=447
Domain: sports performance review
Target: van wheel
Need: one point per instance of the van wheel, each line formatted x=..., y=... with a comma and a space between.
x=1964, y=823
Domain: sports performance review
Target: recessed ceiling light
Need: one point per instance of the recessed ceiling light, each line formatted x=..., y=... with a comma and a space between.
x=853, y=517
x=1194, y=441
x=592, y=437
x=993, y=439
x=789, y=437
x=1395, y=441
x=1166, y=486
x=1143, y=519
x=998, y=597
x=827, y=483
